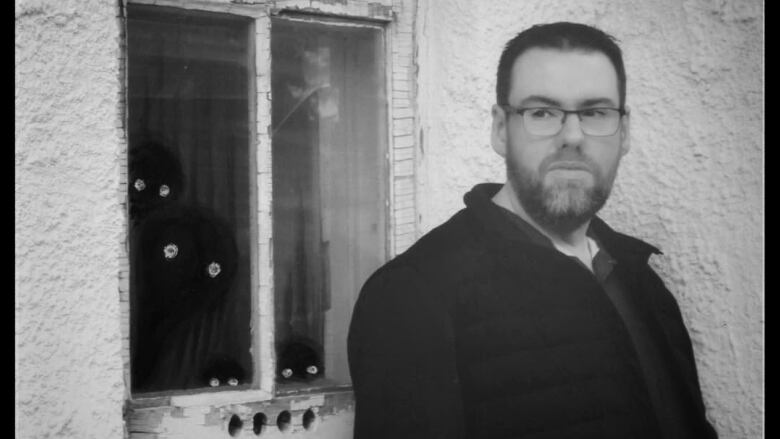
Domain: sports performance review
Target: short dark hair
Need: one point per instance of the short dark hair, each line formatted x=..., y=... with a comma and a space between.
x=564, y=36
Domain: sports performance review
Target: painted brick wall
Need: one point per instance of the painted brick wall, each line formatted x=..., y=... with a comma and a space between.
x=68, y=220
x=692, y=183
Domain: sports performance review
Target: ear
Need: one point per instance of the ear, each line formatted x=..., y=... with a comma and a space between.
x=498, y=132
x=625, y=137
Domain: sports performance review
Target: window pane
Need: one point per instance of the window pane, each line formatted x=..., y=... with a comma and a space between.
x=329, y=172
x=189, y=198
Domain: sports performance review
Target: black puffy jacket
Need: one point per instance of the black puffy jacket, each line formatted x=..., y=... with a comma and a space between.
x=476, y=332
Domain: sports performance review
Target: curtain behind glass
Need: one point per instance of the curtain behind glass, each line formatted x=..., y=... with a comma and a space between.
x=188, y=90
x=329, y=144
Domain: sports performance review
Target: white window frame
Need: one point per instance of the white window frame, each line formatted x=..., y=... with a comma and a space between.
x=402, y=141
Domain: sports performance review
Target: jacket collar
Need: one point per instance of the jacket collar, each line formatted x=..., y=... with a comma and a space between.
x=498, y=227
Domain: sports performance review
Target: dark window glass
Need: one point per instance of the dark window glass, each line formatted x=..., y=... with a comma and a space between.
x=329, y=133
x=188, y=91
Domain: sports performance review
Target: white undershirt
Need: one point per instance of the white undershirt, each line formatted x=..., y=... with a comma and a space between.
x=593, y=248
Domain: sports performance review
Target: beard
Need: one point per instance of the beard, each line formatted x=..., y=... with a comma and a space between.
x=561, y=205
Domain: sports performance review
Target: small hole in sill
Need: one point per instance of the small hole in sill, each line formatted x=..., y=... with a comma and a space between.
x=258, y=423
x=310, y=420
x=235, y=425
x=283, y=421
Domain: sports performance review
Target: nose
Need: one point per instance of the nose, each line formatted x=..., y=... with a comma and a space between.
x=571, y=132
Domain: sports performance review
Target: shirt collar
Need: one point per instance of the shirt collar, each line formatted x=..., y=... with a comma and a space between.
x=537, y=237
x=505, y=227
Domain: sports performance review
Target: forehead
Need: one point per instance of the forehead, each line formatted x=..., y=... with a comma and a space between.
x=566, y=76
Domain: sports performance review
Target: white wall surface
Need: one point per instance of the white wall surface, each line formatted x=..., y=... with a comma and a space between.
x=68, y=220
x=70, y=229
x=692, y=183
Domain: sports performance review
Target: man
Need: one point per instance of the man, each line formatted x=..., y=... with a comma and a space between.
x=525, y=315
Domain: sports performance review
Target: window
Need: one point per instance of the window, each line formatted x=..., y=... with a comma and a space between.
x=196, y=239
x=190, y=205
x=263, y=188
x=329, y=129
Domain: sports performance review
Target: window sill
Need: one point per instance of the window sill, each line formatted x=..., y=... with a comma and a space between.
x=322, y=385
x=209, y=414
x=214, y=397
x=199, y=397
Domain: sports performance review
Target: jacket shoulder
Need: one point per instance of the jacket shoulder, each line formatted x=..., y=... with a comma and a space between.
x=420, y=270
x=455, y=236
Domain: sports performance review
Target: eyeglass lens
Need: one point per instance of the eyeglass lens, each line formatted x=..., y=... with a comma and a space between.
x=593, y=122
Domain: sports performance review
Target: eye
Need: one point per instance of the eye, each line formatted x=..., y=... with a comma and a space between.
x=232, y=382
x=214, y=382
x=287, y=373
x=312, y=370
x=595, y=113
x=542, y=113
x=164, y=190
x=214, y=269
x=170, y=251
x=139, y=185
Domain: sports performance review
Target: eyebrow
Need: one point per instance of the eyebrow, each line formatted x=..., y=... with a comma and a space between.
x=544, y=100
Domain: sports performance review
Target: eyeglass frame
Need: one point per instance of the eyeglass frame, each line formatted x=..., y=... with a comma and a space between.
x=509, y=109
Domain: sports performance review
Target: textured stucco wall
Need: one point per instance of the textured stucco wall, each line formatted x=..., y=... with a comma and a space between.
x=68, y=220
x=692, y=183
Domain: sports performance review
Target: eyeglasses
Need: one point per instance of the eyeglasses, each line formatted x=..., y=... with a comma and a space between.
x=548, y=121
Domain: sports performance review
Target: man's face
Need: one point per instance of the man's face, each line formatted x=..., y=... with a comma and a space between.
x=562, y=180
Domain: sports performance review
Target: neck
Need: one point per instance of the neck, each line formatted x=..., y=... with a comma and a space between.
x=574, y=238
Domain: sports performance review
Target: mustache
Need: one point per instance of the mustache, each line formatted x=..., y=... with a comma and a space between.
x=582, y=163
